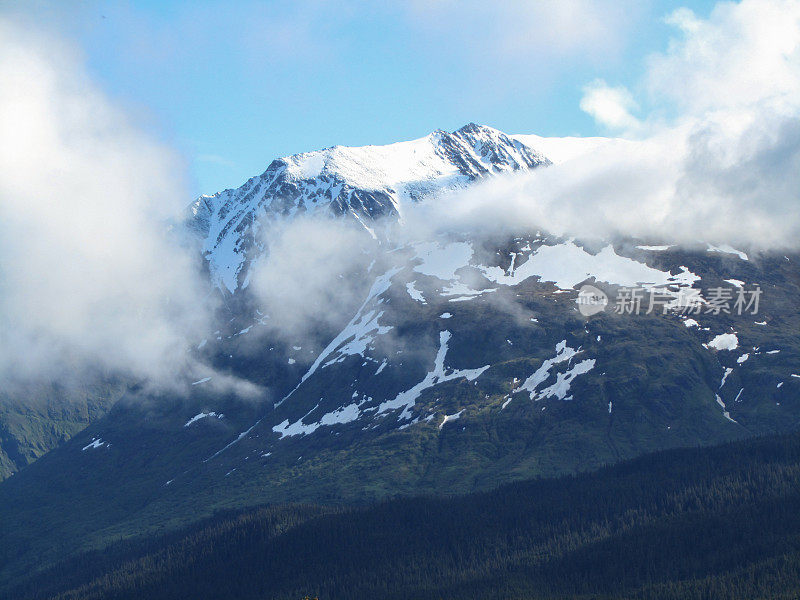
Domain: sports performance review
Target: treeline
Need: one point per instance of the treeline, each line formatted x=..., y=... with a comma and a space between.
x=719, y=522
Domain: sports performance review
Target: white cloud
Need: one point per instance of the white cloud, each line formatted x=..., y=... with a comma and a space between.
x=718, y=155
x=610, y=106
x=89, y=274
x=684, y=19
x=745, y=53
x=312, y=274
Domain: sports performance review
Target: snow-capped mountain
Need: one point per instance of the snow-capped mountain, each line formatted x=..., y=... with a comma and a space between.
x=364, y=183
x=453, y=364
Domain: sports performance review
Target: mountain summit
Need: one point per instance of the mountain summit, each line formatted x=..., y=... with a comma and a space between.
x=363, y=182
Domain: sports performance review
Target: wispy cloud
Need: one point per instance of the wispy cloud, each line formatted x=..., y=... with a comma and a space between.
x=90, y=275
x=715, y=156
x=612, y=107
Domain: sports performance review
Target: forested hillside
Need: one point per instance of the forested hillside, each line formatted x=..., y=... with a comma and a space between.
x=718, y=522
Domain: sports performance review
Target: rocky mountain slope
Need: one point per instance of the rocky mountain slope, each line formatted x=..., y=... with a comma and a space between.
x=455, y=364
x=365, y=184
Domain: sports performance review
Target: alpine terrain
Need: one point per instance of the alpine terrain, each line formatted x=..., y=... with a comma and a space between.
x=418, y=360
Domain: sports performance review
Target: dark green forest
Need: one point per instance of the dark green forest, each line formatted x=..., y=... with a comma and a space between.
x=719, y=522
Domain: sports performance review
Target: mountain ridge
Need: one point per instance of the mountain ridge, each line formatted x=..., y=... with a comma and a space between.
x=366, y=182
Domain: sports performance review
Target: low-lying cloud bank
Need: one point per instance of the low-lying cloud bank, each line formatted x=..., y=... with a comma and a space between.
x=315, y=273
x=90, y=276
x=710, y=152
x=716, y=158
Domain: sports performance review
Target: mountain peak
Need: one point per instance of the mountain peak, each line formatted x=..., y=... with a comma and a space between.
x=367, y=182
x=472, y=128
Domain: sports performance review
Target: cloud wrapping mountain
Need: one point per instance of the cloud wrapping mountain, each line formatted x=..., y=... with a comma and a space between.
x=717, y=157
x=90, y=275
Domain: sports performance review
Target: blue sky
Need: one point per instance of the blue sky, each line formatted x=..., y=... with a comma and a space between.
x=233, y=85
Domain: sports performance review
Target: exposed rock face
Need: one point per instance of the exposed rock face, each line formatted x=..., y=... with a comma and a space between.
x=365, y=183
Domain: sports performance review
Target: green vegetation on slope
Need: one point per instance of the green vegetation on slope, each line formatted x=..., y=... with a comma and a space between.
x=36, y=419
x=718, y=522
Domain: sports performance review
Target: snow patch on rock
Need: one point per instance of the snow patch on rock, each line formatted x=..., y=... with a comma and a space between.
x=725, y=341
x=439, y=374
